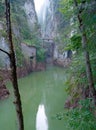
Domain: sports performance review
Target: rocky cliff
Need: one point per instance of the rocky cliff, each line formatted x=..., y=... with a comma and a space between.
x=25, y=27
x=29, y=9
x=54, y=27
x=54, y=22
x=53, y=18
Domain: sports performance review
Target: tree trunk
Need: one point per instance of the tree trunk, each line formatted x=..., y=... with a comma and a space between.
x=92, y=91
x=13, y=69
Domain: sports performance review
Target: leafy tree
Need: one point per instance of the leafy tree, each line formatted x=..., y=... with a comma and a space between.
x=40, y=55
x=75, y=43
x=81, y=82
x=92, y=91
x=77, y=9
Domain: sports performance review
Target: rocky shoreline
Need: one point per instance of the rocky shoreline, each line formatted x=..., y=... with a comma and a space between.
x=5, y=76
x=62, y=62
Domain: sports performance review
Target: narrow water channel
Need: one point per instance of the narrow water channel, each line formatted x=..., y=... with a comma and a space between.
x=43, y=96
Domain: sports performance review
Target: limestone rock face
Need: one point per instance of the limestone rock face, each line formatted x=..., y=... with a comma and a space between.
x=29, y=53
x=24, y=26
x=52, y=19
x=4, y=61
x=30, y=13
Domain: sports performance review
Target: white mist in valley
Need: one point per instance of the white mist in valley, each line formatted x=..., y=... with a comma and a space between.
x=41, y=7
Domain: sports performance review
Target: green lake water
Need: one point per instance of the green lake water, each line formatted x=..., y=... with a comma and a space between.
x=43, y=96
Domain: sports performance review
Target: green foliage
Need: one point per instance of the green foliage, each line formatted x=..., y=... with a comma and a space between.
x=76, y=81
x=82, y=118
x=75, y=43
x=19, y=56
x=26, y=34
x=20, y=23
x=18, y=52
x=66, y=7
x=93, y=64
x=3, y=33
x=77, y=71
x=20, y=20
x=40, y=55
x=68, y=22
x=2, y=9
x=33, y=42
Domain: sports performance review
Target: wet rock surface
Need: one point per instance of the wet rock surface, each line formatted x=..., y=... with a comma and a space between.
x=62, y=62
x=4, y=92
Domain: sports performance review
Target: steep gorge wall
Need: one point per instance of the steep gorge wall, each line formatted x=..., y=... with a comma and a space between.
x=24, y=25
x=53, y=18
x=29, y=9
x=55, y=24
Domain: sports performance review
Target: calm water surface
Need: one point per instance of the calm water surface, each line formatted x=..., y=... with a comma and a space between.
x=43, y=96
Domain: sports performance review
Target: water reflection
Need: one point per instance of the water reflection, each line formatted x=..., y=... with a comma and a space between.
x=41, y=119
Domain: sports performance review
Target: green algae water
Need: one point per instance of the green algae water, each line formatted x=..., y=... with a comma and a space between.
x=43, y=96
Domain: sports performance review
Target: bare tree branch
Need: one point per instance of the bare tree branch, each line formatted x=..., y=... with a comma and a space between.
x=5, y=52
x=18, y=103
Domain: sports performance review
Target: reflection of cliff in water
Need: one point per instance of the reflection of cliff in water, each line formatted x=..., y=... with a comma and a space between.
x=48, y=45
